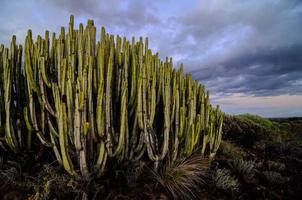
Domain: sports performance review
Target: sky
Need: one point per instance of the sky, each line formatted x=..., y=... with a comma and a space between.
x=247, y=53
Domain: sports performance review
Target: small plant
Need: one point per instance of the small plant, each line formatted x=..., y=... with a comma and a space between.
x=231, y=150
x=10, y=171
x=242, y=167
x=223, y=180
x=134, y=172
x=272, y=165
x=51, y=184
x=182, y=178
x=274, y=178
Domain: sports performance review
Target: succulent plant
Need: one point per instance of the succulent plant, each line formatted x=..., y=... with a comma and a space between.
x=223, y=180
x=12, y=98
x=91, y=100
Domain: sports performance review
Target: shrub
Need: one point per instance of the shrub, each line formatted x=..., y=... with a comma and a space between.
x=183, y=177
x=242, y=167
x=223, y=180
x=231, y=150
x=265, y=123
x=274, y=178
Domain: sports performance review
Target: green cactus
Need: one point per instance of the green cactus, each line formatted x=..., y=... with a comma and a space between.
x=91, y=101
x=12, y=98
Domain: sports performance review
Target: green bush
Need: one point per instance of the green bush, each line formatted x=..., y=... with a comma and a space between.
x=265, y=123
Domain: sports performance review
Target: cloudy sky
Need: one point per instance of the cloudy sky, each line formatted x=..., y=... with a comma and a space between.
x=248, y=53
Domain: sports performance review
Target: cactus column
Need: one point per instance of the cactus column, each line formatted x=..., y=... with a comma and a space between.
x=93, y=101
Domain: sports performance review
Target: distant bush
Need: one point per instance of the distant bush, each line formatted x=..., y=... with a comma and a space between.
x=265, y=123
x=243, y=131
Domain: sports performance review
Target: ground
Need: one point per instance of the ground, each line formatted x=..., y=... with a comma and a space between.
x=258, y=159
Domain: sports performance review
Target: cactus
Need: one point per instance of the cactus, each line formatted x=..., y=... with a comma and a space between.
x=12, y=98
x=91, y=101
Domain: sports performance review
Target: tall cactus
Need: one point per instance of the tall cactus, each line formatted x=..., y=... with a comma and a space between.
x=93, y=100
x=12, y=98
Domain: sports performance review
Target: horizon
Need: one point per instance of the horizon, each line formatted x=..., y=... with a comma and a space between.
x=248, y=54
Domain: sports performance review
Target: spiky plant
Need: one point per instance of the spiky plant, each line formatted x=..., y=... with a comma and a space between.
x=223, y=180
x=183, y=177
x=242, y=167
x=12, y=99
x=92, y=99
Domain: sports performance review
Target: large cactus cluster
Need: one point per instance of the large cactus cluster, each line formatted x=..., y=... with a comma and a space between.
x=92, y=100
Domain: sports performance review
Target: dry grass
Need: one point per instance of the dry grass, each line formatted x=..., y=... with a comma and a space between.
x=183, y=177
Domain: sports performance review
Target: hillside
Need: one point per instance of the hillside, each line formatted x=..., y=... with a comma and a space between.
x=260, y=158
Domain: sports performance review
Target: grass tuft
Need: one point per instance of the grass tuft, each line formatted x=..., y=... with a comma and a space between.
x=183, y=177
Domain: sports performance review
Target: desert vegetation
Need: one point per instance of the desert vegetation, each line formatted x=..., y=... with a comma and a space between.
x=99, y=104
x=88, y=118
x=270, y=169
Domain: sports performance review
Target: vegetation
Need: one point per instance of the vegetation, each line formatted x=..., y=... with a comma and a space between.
x=94, y=101
x=265, y=123
x=237, y=172
x=103, y=106
x=265, y=162
x=223, y=180
x=124, y=124
x=184, y=178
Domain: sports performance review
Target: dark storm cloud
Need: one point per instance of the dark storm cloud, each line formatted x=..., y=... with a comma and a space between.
x=130, y=15
x=119, y=17
x=264, y=72
x=250, y=47
x=269, y=61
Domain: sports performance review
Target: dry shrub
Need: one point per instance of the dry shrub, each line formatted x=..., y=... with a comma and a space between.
x=183, y=177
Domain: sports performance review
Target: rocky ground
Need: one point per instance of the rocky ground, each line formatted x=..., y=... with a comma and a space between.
x=258, y=159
